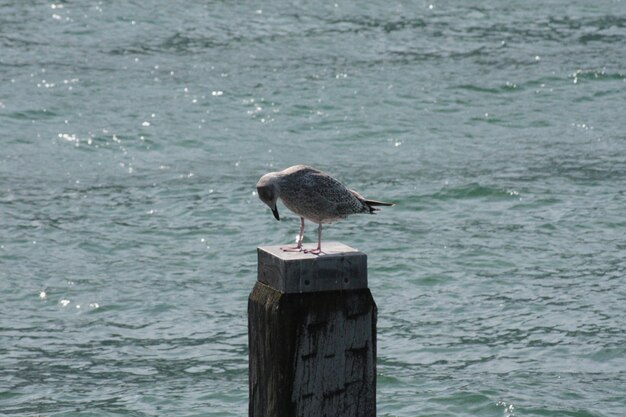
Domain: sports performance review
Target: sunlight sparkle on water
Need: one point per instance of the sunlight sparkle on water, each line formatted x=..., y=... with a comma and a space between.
x=508, y=409
x=68, y=137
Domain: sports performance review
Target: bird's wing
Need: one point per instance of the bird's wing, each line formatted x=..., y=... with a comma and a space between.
x=334, y=194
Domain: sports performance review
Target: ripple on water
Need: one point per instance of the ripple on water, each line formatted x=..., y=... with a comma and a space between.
x=132, y=141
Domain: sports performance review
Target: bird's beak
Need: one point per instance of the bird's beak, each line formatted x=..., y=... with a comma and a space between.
x=275, y=211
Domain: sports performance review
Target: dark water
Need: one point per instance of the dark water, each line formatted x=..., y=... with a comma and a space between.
x=132, y=135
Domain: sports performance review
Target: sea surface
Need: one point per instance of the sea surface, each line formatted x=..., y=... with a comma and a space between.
x=132, y=134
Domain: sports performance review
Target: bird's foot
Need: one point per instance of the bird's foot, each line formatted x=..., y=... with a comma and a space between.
x=292, y=249
x=313, y=251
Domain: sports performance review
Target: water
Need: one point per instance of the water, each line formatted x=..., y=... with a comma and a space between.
x=132, y=136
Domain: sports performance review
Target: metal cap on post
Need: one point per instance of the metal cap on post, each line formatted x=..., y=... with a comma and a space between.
x=312, y=335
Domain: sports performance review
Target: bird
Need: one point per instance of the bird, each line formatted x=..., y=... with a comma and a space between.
x=313, y=195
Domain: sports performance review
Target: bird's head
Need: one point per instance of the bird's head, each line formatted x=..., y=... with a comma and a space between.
x=268, y=191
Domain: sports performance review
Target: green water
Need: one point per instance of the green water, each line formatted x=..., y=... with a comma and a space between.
x=132, y=135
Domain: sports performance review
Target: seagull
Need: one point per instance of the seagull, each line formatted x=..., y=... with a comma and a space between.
x=312, y=195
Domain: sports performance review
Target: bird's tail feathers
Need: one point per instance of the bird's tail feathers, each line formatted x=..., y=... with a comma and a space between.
x=378, y=203
x=373, y=203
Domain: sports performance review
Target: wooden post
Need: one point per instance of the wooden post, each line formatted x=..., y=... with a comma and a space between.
x=312, y=335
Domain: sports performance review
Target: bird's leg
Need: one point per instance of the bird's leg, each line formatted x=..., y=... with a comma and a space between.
x=301, y=235
x=317, y=250
x=298, y=247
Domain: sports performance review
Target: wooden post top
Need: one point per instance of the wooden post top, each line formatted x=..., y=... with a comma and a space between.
x=340, y=267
